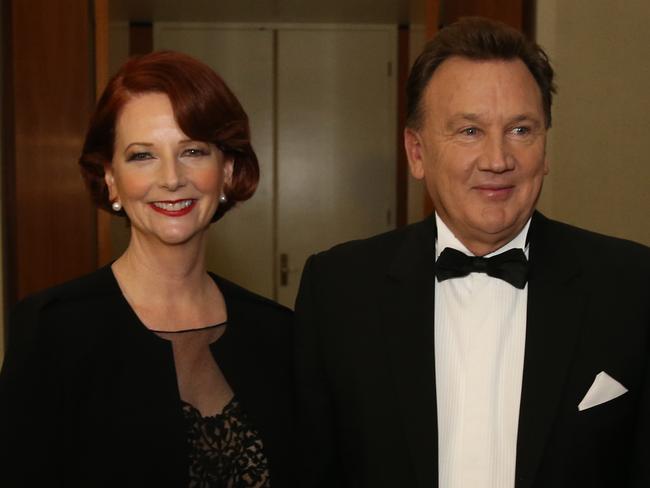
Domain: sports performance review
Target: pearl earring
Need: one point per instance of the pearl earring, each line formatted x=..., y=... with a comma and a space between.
x=222, y=198
x=117, y=206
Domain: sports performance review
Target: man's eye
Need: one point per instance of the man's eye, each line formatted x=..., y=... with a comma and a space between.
x=469, y=131
x=521, y=131
x=139, y=156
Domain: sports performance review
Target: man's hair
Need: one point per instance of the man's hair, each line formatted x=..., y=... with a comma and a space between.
x=478, y=39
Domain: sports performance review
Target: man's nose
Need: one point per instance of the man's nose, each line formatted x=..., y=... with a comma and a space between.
x=171, y=175
x=496, y=156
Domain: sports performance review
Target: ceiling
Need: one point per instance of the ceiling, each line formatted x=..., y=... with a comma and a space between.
x=320, y=11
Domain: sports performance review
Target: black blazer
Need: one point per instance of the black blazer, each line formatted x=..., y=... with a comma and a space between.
x=88, y=396
x=364, y=350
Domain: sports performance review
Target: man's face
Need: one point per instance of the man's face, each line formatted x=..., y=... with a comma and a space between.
x=481, y=148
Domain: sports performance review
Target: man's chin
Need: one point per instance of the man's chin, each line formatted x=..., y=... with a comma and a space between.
x=500, y=225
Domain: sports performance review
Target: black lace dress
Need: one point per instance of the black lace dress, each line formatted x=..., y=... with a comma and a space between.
x=225, y=450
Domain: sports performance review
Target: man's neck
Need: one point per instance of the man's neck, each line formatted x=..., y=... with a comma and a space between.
x=448, y=238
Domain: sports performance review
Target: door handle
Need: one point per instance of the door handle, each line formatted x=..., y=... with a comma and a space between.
x=284, y=269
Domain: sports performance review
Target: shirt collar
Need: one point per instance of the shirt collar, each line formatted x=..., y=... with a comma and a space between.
x=446, y=238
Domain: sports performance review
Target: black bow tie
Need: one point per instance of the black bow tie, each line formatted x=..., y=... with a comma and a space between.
x=510, y=266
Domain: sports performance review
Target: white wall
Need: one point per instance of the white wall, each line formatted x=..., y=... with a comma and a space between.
x=599, y=147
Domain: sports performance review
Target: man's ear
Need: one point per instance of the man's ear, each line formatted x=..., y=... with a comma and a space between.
x=413, y=147
x=546, y=165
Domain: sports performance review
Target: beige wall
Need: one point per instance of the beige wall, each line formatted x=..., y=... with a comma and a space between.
x=417, y=39
x=599, y=147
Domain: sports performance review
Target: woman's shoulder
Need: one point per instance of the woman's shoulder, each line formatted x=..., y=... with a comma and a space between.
x=236, y=295
x=67, y=303
x=88, y=288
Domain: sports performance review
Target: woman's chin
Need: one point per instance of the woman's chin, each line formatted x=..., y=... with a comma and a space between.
x=175, y=237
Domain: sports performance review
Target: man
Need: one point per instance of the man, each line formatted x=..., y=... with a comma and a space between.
x=486, y=346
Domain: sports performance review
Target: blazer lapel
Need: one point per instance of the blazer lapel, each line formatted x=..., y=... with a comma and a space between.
x=553, y=324
x=408, y=318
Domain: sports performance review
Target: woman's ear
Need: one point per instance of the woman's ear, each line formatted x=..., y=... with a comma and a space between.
x=109, y=179
x=228, y=168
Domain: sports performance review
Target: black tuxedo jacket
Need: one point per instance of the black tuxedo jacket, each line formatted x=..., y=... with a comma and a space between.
x=364, y=349
x=88, y=396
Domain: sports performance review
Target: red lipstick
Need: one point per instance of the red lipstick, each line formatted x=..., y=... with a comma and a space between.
x=174, y=208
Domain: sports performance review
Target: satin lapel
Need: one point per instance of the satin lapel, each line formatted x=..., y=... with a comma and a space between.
x=555, y=302
x=408, y=312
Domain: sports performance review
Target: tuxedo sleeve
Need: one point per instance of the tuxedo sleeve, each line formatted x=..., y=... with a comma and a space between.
x=319, y=466
x=641, y=461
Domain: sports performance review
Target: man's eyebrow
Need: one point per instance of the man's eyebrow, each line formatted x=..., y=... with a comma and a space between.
x=524, y=116
x=531, y=119
x=476, y=117
x=463, y=117
x=467, y=116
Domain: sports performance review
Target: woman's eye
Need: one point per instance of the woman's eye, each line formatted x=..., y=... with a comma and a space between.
x=139, y=156
x=194, y=152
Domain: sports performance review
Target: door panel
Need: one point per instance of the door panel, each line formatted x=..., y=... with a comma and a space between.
x=336, y=141
x=332, y=148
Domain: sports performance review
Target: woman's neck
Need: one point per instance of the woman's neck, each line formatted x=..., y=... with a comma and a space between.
x=174, y=263
x=168, y=283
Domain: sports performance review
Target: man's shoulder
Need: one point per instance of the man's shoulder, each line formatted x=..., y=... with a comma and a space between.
x=580, y=235
x=375, y=249
x=595, y=248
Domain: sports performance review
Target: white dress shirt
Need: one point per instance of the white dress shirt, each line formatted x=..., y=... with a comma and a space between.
x=480, y=333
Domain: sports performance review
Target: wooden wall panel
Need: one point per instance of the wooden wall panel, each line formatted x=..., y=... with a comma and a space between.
x=101, y=42
x=432, y=14
x=5, y=105
x=510, y=12
x=140, y=38
x=51, y=235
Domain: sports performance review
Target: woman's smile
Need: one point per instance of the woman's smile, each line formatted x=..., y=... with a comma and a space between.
x=174, y=208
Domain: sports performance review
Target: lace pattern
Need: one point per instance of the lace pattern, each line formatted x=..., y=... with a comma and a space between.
x=225, y=450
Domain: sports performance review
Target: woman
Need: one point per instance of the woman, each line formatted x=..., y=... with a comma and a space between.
x=150, y=371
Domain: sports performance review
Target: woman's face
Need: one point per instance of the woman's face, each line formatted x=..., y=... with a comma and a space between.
x=168, y=184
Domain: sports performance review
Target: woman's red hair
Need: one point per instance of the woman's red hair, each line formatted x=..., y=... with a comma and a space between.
x=205, y=110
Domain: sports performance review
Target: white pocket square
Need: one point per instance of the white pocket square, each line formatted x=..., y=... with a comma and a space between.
x=603, y=389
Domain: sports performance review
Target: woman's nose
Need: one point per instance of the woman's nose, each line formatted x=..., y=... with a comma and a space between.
x=171, y=174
